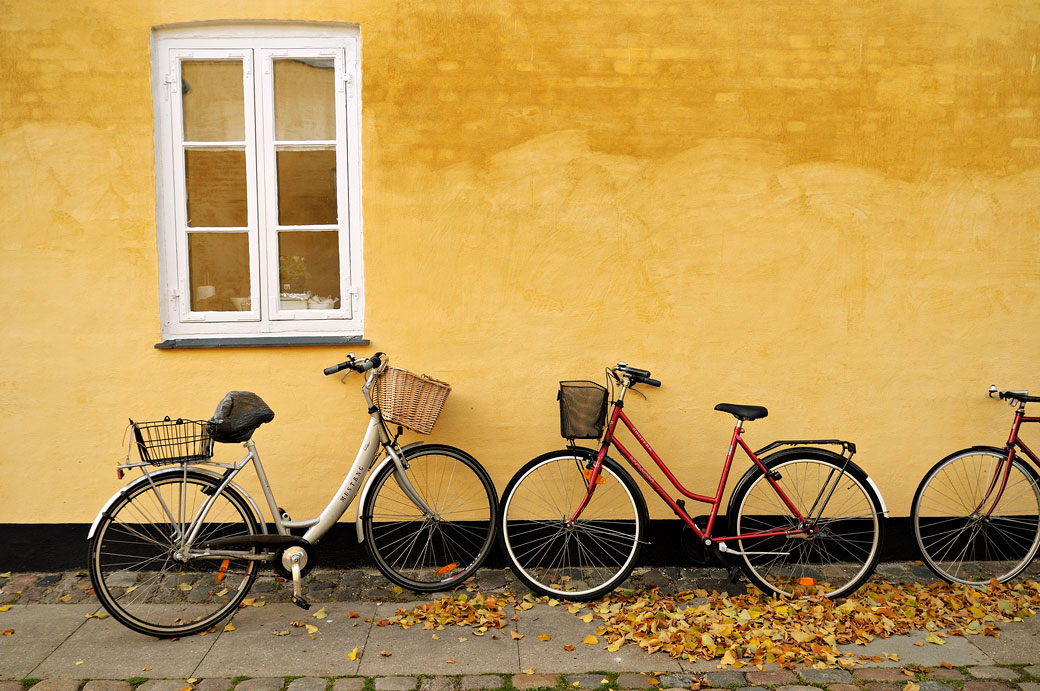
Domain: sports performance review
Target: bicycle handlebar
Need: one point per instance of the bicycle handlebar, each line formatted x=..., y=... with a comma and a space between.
x=636, y=375
x=1020, y=396
x=359, y=366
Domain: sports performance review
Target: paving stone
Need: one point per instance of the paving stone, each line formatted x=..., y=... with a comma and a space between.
x=796, y=687
x=57, y=685
x=308, y=684
x=106, y=685
x=825, y=676
x=1033, y=670
x=934, y=686
x=631, y=680
x=880, y=686
x=891, y=674
x=437, y=684
x=395, y=683
x=589, y=682
x=1029, y=686
x=943, y=674
x=481, y=682
x=533, y=681
x=840, y=687
x=770, y=678
x=258, y=684
x=351, y=684
x=213, y=684
x=992, y=672
x=172, y=685
x=725, y=678
x=681, y=681
x=984, y=686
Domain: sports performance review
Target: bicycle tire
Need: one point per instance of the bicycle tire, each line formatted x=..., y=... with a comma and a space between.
x=579, y=562
x=960, y=544
x=834, y=560
x=132, y=565
x=424, y=554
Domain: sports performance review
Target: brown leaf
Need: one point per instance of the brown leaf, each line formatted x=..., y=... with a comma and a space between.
x=568, y=648
x=7, y=632
x=385, y=653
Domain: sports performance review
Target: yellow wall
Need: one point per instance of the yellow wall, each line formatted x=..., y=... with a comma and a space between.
x=827, y=208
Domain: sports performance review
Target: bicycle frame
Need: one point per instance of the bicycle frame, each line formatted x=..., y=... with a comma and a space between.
x=1000, y=475
x=376, y=439
x=610, y=438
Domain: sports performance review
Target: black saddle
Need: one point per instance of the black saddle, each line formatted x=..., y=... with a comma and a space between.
x=743, y=412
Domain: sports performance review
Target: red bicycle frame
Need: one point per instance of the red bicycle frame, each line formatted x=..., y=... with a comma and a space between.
x=618, y=415
x=1012, y=442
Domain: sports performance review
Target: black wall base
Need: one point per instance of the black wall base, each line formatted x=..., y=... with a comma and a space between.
x=63, y=546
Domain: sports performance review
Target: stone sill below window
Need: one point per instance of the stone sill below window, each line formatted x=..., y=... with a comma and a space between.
x=260, y=342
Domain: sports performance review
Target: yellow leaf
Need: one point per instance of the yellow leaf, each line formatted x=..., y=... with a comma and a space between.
x=7, y=632
x=935, y=639
x=184, y=586
x=544, y=637
x=311, y=628
x=229, y=627
x=568, y=648
x=79, y=662
x=529, y=670
x=5, y=574
x=892, y=656
x=911, y=686
x=587, y=618
x=398, y=590
x=515, y=636
x=320, y=614
x=576, y=684
x=64, y=598
x=591, y=640
x=5, y=608
x=449, y=662
x=146, y=669
x=436, y=637
x=352, y=654
x=385, y=653
x=615, y=646
x=283, y=632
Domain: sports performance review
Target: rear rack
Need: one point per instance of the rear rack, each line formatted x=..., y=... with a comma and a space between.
x=847, y=447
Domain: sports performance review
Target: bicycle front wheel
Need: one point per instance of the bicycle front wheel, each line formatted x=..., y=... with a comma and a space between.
x=968, y=530
x=136, y=562
x=435, y=552
x=580, y=560
x=838, y=548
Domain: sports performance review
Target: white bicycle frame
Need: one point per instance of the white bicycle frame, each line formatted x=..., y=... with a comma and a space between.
x=376, y=439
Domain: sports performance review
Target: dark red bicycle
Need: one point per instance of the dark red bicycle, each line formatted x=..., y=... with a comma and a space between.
x=976, y=513
x=803, y=520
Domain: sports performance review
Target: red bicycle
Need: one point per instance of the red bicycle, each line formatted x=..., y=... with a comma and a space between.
x=976, y=513
x=803, y=520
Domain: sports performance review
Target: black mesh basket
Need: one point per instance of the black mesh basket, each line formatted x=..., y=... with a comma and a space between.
x=583, y=409
x=173, y=441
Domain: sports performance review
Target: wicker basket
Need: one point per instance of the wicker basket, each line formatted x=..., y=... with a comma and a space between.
x=409, y=400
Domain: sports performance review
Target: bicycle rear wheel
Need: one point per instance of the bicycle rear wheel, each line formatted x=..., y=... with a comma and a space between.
x=134, y=564
x=840, y=549
x=963, y=537
x=431, y=553
x=583, y=560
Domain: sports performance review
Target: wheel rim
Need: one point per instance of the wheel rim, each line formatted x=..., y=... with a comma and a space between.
x=138, y=575
x=961, y=539
x=422, y=552
x=573, y=561
x=837, y=551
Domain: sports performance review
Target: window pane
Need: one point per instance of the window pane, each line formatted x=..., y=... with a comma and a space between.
x=215, y=180
x=218, y=270
x=308, y=265
x=307, y=187
x=304, y=100
x=211, y=93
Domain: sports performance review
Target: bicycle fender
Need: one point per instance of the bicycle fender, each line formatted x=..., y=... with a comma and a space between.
x=808, y=452
x=170, y=471
x=368, y=484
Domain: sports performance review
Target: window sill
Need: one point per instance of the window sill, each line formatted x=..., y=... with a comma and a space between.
x=260, y=342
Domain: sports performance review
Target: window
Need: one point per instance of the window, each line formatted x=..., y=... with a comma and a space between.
x=258, y=183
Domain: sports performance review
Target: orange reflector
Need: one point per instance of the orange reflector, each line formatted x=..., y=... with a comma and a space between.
x=222, y=571
x=807, y=582
x=446, y=569
x=588, y=476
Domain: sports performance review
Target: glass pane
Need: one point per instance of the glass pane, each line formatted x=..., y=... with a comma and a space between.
x=218, y=271
x=213, y=103
x=304, y=100
x=308, y=265
x=307, y=187
x=215, y=180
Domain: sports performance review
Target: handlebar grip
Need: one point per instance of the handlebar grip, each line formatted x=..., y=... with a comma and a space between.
x=336, y=368
x=652, y=382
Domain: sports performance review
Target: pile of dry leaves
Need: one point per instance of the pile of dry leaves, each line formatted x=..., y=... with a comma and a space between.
x=753, y=629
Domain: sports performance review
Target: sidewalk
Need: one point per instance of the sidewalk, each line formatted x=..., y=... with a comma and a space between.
x=55, y=640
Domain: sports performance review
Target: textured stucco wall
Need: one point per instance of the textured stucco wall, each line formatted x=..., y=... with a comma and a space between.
x=827, y=208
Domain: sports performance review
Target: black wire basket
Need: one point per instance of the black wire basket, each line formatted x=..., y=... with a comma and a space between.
x=165, y=442
x=583, y=409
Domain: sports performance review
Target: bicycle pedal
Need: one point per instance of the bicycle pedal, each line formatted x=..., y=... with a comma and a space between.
x=300, y=602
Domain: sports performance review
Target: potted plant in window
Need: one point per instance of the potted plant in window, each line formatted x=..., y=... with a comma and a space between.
x=294, y=274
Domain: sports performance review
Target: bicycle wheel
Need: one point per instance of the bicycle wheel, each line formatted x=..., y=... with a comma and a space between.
x=841, y=547
x=962, y=536
x=426, y=553
x=580, y=561
x=134, y=564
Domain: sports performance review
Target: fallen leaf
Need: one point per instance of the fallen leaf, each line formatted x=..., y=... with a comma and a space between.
x=5, y=608
x=894, y=657
x=5, y=574
x=311, y=629
x=352, y=615
x=97, y=615
x=229, y=627
x=529, y=670
x=184, y=586
x=568, y=648
x=450, y=662
x=64, y=598
x=79, y=662
x=935, y=639
x=946, y=665
x=515, y=636
x=283, y=632
x=436, y=637
x=146, y=669
x=911, y=686
x=320, y=614
x=297, y=624
x=353, y=654
x=385, y=653
x=7, y=632
x=544, y=637
x=590, y=640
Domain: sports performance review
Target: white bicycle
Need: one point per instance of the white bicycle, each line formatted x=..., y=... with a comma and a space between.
x=185, y=534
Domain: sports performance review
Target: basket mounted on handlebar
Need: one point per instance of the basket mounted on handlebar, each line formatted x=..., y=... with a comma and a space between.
x=167, y=441
x=407, y=399
x=583, y=409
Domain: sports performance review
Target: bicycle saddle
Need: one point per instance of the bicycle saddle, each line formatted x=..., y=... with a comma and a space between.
x=743, y=412
x=237, y=416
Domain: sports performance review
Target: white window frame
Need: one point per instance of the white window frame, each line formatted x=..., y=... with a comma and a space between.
x=257, y=45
